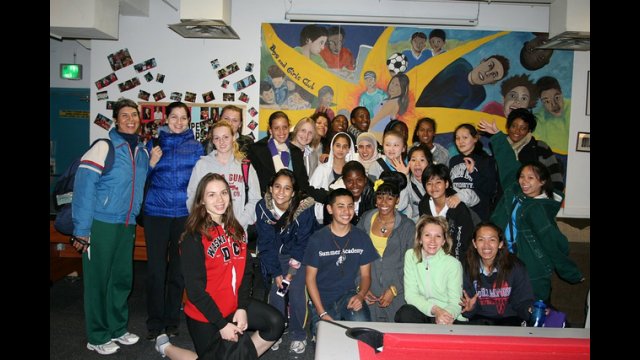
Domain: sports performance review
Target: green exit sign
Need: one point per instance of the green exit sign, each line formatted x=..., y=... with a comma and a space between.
x=71, y=71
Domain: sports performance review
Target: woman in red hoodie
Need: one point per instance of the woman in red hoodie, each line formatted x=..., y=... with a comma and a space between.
x=215, y=268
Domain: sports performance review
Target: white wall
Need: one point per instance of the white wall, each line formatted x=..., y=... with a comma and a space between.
x=61, y=52
x=185, y=62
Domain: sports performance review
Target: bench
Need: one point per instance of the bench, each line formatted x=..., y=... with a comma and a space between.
x=64, y=259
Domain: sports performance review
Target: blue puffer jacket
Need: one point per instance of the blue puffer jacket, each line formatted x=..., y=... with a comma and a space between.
x=168, y=180
x=291, y=240
x=115, y=197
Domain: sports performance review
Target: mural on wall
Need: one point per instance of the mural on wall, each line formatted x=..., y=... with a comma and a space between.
x=406, y=73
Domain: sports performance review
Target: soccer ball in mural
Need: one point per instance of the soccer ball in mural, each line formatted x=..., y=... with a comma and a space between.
x=397, y=63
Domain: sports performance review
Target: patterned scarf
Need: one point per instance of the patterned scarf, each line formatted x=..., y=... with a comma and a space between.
x=517, y=146
x=279, y=153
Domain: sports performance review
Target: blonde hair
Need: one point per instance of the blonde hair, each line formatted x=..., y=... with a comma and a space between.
x=306, y=120
x=237, y=154
x=421, y=224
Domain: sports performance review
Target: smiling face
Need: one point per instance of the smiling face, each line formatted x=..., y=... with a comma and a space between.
x=436, y=44
x=386, y=204
x=487, y=72
x=487, y=243
x=361, y=119
x=465, y=142
x=282, y=192
x=178, y=120
x=432, y=238
x=305, y=134
x=223, y=139
x=339, y=123
x=365, y=150
x=426, y=134
x=280, y=129
x=518, y=129
x=517, y=98
x=355, y=182
x=393, y=146
x=342, y=209
x=530, y=182
x=234, y=117
x=128, y=120
x=216, y=199
x=322, y=125
x=436, y=188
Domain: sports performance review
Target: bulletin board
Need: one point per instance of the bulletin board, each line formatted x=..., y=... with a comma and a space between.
x=152, y=115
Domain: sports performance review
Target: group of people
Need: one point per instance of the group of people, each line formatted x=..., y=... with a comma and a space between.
x=371, y=232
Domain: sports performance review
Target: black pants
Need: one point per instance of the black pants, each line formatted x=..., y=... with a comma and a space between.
x=261, y=317
x=410, y=314
x=165, y=283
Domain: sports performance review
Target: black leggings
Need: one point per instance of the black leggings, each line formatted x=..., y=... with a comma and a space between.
x=261, y=317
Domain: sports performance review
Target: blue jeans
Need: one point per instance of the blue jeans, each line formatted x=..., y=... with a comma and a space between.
x=338, y=311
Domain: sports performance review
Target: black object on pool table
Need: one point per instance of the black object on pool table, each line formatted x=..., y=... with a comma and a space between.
x=369, y=336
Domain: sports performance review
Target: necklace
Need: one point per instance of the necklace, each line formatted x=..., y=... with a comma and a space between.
x=343, y=256
x=383, y=225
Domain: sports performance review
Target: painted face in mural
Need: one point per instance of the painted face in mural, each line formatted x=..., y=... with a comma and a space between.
x=418, y=44
x=436, y=44
x=553, y=101
x=268, y=97
x=533, y=59
x=517, y=98
x=487, y=72
x=370, y=82
x=335, y=43
x=394, y=88
x=518, y=130
x=128, y=120
x=316, y=46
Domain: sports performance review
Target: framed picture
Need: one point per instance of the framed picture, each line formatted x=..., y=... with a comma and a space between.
x=584, y=142
x=588, y=110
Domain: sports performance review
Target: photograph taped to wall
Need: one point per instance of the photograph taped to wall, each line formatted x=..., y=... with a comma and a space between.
x=241, y=84
x=106, y=81
x=224, y=84
x=176, y=96
x=228, y=70
x=143, y=95
x=145, y=65
x=228, y=97
x=215, y=64
x=249, y=67
x=102, y=95
x=208, y=96
x=584, y=142
x=253, y=112
x=103, y=121
x=160, y=78
x=110, y=105
x=119, y=59
x=190, y=96
x=243, y=97
x=157, y=96
x=148, y=76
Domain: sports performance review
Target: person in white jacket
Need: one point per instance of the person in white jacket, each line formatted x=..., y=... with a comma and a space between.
x=341, y=151
x=227, y=161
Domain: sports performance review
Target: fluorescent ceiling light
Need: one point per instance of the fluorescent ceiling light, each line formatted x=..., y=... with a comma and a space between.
x=333, y=18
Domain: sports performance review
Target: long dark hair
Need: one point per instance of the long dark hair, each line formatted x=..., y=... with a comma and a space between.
x=504, y=261
x=543, y=175
x=199, y=221
x=295, y=199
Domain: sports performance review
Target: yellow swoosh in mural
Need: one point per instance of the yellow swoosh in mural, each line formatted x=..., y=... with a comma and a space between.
x=311, y=77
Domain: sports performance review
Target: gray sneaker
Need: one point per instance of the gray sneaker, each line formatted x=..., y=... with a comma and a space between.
x=162, y=341
x=298, y=347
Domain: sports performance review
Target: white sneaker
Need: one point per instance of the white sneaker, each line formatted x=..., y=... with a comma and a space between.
x=276, y=345
x=298, y=347
x=107, y=348
x=127, y=339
